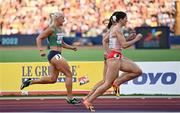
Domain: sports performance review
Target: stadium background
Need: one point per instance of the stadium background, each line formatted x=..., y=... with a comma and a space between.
x=22, y=20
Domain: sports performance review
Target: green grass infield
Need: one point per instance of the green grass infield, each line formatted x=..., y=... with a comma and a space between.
x=90, y=54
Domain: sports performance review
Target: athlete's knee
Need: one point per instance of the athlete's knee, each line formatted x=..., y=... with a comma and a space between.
x=138, y=72
x=52, y=80
x=107, y=84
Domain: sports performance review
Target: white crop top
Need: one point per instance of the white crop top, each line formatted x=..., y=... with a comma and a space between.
x=114, y=43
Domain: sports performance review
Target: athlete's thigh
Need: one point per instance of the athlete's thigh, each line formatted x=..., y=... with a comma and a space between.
x=104, y=70
x=61, y=63
x=112, y=70
x=53, y=71
x=127, y=65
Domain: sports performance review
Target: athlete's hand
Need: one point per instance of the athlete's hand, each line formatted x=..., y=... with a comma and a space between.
x=74, y=48
x=139, y=36
x=42, y=53
x=132, y=36
x=133, y=31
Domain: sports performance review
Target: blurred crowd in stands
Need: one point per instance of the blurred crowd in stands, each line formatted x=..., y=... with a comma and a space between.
x=84, y=17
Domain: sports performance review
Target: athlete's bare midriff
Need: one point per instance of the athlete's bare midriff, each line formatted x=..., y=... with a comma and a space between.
x=55, y=48
x=117, y=50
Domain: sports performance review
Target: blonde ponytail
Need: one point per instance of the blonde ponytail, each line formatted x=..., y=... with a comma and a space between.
x=53, y=16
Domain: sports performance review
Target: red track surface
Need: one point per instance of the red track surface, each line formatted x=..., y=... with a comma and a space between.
x=103, y=105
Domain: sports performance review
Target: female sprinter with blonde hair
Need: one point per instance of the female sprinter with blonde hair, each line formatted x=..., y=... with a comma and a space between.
x=115, y=61
x=55, y=35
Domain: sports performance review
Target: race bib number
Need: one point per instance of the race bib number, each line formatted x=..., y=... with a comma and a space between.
x=58, y=57
x=60, y=38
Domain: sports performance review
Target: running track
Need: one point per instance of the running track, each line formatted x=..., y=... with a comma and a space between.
x=148, y=104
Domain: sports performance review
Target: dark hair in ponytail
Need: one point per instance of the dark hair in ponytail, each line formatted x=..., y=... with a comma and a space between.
x=116, y=16
x=110, y=23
